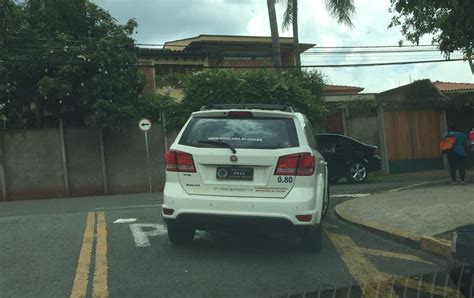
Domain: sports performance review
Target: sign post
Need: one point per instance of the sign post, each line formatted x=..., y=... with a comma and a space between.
x=145, y=125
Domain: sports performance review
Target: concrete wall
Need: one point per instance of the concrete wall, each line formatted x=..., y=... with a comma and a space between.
x=364, y=129
x=125, y=159
x=83, y=161
x=34, y=168
x=33, y=164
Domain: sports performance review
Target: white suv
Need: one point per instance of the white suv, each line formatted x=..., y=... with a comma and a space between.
x=238, y=165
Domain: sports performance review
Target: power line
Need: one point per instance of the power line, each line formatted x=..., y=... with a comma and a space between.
x=377, y=46
x=374, y=60
x=368, y=52
x=380, y=57
x=291, y=46
x=329, y=59
x=307, y=53
x=283, y=67
x=227, y=44
x=350, y=65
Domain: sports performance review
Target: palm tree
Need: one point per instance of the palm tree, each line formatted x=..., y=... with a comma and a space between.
x=275, y=38
x=341, y=10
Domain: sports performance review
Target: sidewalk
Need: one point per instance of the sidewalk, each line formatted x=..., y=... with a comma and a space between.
x=420, y=213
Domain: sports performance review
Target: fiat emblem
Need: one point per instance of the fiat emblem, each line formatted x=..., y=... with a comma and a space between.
x=222, y=173
x=233, y=158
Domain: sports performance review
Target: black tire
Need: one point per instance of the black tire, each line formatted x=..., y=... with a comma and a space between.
x=312, y=239
x=357, y=172
x=470, y=292
x=180, y=235
x=326, y=201
x=334, y=179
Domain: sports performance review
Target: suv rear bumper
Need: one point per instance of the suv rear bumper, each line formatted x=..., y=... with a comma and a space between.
x=206, y=209
x=231, y=222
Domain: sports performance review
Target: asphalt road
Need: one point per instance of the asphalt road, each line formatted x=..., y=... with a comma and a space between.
x=72, y=247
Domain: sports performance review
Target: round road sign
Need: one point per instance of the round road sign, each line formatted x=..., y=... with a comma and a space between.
x=144, y=124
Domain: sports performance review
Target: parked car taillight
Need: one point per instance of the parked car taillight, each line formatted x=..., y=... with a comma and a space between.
x=178, y=161
x=300, y=164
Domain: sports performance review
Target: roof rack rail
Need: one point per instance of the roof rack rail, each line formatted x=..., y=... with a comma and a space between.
x=249, y=106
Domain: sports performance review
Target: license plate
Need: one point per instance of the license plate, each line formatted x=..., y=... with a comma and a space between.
x=234, y=173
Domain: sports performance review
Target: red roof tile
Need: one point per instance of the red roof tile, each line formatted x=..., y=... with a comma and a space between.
x=449, y=86
x=338, y=89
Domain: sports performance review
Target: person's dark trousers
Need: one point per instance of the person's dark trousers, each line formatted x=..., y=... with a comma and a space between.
x=456, y=162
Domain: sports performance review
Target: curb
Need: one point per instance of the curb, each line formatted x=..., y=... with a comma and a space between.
x=430, y=244
x=417, y=184
x=435, y=245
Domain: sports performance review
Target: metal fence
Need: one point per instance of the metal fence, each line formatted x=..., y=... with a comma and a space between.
x=457, y=282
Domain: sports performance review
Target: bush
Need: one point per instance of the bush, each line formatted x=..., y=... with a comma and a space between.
x=301, y=90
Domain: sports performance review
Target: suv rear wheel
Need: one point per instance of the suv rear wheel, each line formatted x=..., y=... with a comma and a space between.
x=327, y=196
x=357, y=172
x=179, y=234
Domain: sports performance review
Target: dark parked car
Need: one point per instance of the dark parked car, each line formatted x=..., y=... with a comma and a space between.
x=461, y=261
x=347, y=157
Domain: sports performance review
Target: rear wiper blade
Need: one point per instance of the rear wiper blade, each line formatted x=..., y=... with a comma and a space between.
x=219, y=143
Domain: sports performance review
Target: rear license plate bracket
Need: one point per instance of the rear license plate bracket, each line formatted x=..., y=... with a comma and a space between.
x=234, y=173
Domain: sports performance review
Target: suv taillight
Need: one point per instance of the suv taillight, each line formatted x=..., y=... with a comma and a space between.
x=178, y=161
x=300, y=164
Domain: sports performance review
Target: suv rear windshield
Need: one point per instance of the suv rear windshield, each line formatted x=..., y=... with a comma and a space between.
x=253, y=133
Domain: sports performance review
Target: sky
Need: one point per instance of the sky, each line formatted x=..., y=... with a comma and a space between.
x=164, y=20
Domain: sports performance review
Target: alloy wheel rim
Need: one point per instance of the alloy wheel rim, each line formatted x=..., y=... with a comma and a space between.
x=358, y=172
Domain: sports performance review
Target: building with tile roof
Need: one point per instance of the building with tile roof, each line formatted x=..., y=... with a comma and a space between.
x=453, y=87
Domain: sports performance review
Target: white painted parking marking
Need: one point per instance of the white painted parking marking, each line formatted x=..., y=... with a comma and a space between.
x=141, y=236
x=125, y=220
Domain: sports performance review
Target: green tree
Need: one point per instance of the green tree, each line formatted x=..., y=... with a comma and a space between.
x=451, y=23
x=68, y=59
x=301, y=90
x=341, y=10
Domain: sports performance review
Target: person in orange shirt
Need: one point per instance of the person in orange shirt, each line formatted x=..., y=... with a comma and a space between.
x=457, y=156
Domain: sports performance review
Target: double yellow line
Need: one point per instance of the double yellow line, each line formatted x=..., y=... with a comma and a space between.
x=81, y=279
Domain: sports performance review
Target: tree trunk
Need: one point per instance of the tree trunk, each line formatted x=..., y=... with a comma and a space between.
x=276, y=51
x=469, y=60
x=296, y=41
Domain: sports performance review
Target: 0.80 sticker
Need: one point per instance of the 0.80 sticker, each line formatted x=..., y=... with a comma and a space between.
x=285, y=179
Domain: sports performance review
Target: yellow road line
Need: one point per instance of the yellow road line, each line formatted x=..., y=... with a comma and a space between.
x=389, y=254
x=79, y=288
x=376, y=283
x=427, y=287
x=100, y=288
